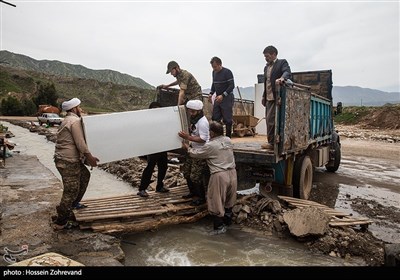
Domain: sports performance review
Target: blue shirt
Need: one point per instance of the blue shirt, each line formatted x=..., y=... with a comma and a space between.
x=222, y=82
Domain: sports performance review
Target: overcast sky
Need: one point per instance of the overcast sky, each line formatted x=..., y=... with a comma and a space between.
x=359, y=41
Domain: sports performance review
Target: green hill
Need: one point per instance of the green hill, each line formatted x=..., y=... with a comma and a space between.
x=96, y=96
x=57, y=68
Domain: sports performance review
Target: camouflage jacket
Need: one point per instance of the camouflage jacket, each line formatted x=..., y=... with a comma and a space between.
x=189, y=84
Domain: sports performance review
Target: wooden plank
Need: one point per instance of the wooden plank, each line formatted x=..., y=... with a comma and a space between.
x=119, y=215
x=124, y=227
x=172, y=190
x=352, y=223
x=117, y=136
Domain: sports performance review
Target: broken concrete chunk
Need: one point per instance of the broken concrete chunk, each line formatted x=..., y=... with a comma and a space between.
x=306, y=221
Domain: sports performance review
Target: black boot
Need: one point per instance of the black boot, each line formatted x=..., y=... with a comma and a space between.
x=219, y=227
x=228, y=216
x=228, y=131
x=191, y=189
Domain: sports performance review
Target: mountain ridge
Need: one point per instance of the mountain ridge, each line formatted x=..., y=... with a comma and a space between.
x=348, y=95
x=59, y=68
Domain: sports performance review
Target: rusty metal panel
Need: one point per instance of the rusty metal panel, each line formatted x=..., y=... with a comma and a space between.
x=297, y=115
x=169, y=97
x=319, y=81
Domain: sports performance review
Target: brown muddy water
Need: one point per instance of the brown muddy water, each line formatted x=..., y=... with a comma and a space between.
x=190, y=244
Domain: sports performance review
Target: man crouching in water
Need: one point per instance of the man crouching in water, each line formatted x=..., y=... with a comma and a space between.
x=222, y=187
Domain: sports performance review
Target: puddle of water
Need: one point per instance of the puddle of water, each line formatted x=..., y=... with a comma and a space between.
x=387, y=231
x=369, y=170
x=191, y=245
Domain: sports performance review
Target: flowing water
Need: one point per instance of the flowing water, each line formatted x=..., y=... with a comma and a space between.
x=102, y=183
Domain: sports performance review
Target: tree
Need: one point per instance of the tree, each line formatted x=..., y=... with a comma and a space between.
x=11, y=107
x=45, y=94
x=28, y=107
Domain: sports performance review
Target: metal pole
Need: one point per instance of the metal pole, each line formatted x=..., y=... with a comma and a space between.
x=8, y=3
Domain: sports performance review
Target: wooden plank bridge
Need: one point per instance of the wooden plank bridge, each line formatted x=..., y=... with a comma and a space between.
x=132, y=213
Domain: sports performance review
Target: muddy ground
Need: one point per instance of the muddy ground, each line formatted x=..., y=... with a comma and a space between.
x=340, y=242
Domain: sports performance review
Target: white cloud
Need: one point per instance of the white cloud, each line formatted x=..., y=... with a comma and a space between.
x=358, y=41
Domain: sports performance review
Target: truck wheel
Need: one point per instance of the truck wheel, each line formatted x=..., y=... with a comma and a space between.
x=333, y=165
x=302, y=177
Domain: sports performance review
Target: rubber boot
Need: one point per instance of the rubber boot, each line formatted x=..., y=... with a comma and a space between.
x=228, y=132
x=228, y=216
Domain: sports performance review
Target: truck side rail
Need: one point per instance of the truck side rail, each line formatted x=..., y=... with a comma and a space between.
x=302, y=119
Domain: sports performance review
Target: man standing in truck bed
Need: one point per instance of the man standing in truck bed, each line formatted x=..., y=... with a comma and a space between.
x=275, y=72
x=189, y=87
x=223, y=85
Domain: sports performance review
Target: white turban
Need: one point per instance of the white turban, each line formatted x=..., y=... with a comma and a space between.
x=194, y=105
x=68, y=105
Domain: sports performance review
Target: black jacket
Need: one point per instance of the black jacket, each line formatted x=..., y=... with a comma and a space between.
x=281, y=68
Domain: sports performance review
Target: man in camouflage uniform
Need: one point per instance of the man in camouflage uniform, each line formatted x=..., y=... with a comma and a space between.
x=71, y=152
x=196, y=171
x=189, y=87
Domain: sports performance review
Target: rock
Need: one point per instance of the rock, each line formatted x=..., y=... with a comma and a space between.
x=306, y=221
x=236, y=209
x=277, y=225
x=241, y=217
x=246, y=208
x=264, y=216
x=392, y=254
x=332, y=254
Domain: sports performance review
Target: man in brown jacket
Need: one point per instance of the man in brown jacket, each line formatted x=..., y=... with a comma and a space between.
x=222, y=187
x=71, y=155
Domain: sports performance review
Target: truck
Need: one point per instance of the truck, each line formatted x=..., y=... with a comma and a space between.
x=305, y=138
x=45, y=108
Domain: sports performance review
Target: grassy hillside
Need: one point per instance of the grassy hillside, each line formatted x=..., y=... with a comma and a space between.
x=96, y=96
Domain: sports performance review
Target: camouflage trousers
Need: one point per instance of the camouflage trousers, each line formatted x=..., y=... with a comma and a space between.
x=75, y=178
x=197, y=174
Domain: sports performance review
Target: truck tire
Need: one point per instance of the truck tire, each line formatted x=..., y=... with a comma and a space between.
x=334, y=166
x=302, y=177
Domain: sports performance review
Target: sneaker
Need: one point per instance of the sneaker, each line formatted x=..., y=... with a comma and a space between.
x=71, y=224
x=219, y=230
x=267, y=146
x=162, y=190
x=190, y=195
x=67, y=225
x=79, y=206
x=143, y=193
